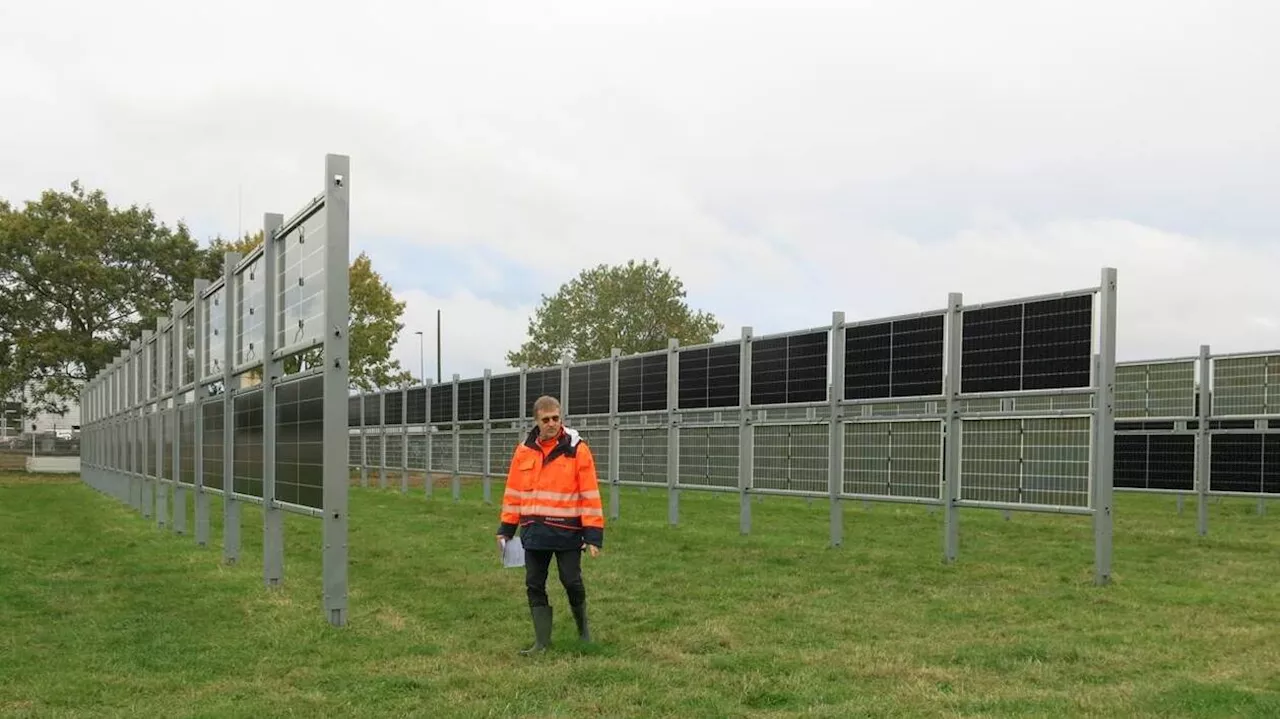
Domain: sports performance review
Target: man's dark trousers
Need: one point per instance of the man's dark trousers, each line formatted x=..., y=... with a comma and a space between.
x=537, y=564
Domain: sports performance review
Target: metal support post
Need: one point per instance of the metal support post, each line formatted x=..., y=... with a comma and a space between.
x=486, y=443
x=272, y=372
x=202, y=496
x=428, y=478
x=337, y=311
x=176, y=359
x=1202, y=442
x=951, y=430
x=1106, y=415
x=404, y=440
x=746, y=434
x=230, y=505
x=835, y=453
x=456, y=479
x=615, y=438
x=673, y=431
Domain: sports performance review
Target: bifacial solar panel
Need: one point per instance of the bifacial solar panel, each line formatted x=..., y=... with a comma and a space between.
x=710, y=376
x=212, y=442
x=504, y=397
x=355, y=410
x=373, y=410
x=215, y=336
x=442, y=404
x=1046, y=344
x=300, y=442
x=471, y=400
x=247, y=443
x=1246, y=463
x=589, y=389
x=300, y=257
x=188, y=349
x=901, y=358
x=187, y=444
x=393, y=408
x=167, y=347
x=537, y=384
x=1029, y=461
x=250, y=303
x=642, y=383
x=1246, y=385
x=417, y=409
x=1154, y=461
x=894, y=459
x=790, y=369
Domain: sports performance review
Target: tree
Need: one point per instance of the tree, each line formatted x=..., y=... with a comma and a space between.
x=80, y=279
x=636, y=307
x=375, y=318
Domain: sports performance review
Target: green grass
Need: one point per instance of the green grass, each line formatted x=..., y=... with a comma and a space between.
x=104, y=615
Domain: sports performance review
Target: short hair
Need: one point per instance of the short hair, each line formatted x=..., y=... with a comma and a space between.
x=545, y=403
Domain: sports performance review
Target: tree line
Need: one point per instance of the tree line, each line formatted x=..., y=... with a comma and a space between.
x=80, y=278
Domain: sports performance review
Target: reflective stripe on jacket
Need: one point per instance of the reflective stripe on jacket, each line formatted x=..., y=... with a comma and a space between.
x=553, y=494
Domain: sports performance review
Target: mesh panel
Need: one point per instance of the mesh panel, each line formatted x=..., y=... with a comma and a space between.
x=394, y=442
x=442, y=452
x=471, y=453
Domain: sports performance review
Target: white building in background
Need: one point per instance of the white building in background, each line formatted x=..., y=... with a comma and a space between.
x=12, y=424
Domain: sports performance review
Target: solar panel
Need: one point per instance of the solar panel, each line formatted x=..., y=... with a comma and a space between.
x=355, y=410
x=589, y=388
x=372, y=410
x=247, y=443
x=1155, y=461
x=471, y=400
x=642, y=383
x=215, y=332
x=299, y=461
x=1246, y=385
x=417, y=409
x=504, y=397
x=1248, y=463
x=250, y=306
x=789, y=369
x=1046, y=344
x=710, y=376
x=900, y=358
x=300, y=260
x=393, y=408
x=442, y=404
x=539, y=383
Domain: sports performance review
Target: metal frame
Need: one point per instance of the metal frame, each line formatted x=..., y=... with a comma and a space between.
x=137, y=402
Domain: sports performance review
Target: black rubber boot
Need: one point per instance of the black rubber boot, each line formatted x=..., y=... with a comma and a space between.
x=580, y=616
x=541, y=630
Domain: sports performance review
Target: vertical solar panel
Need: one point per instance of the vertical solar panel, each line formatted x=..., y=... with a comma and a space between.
x=355, y=411
x=502, y=447
x=1155, y=461
x=442, y=405
x=899, y=358
x=471, y=453
x=791, y=457
x=539, y=383
x=1246, y=385
x=1156, y=389
x=372, y=410
x=643, y=455
x=247, y=443
x=893, y=459
x=393, y=408
x=504, y=396
x=642, y=383
x=1046, y=344
x=188, y=323
x=300, y=261
x=1042, y=461
x=708, y=456
x=471, y=400
x=417, y=451
x=709, y=376
x=250, y=328
x=187, y=443
x=299, y=464
x=442, y=452
x=791, y=369
x=215, y=334
x=416, y=411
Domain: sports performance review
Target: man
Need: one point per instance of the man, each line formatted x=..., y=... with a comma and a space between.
x=552, y=494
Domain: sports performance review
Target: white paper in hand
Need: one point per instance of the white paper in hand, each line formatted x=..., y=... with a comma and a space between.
x=513, y=553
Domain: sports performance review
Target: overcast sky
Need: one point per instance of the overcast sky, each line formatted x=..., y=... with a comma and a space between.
x=785, y=159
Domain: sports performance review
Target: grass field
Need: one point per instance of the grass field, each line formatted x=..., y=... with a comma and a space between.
x=104, y=615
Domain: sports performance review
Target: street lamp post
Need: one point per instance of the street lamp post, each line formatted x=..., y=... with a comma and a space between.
x=422, y=359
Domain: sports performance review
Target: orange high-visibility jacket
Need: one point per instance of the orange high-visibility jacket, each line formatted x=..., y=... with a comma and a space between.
x=553, y=494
